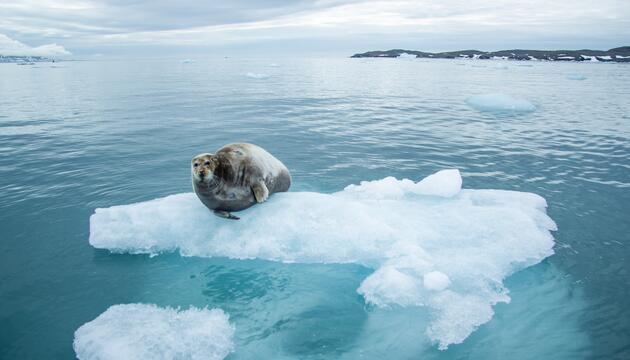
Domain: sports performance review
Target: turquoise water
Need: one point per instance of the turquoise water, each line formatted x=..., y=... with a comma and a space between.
x=97, y=134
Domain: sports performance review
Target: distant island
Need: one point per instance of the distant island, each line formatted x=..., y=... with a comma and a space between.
x=24, y=59
x=620, y=54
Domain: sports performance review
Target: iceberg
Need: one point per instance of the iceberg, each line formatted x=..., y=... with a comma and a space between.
x=431, y=244
x=500, y=103
x=144, y=331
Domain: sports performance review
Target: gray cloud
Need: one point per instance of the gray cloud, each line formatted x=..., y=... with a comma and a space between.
x=10, y=46
x=91, y=24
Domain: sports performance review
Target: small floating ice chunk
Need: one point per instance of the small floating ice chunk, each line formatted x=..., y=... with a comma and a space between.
x=256, y=75
x=143, y=331
x=576, y=77
x=500, y=103
x=436, y=280
x=187, y=61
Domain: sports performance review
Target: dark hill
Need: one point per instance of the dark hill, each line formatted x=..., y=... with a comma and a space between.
x=619, y=54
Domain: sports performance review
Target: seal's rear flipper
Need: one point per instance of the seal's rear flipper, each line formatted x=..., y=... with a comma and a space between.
x=225, y=215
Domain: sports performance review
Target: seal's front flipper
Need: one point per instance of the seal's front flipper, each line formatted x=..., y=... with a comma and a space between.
x=261, y=193
x=225, y=215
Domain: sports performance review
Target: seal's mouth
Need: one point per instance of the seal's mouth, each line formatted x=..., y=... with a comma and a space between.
x=203, y=177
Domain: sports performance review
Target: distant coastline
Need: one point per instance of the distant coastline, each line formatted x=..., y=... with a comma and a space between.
x=620, y=54
x=24, y=59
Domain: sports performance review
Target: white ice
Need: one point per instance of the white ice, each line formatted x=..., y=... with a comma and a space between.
x=256, y=75
x=436, y=280
x=430, y=243
x=500, y=103
x=142, y=331
x=445, y=183
x=407, y=56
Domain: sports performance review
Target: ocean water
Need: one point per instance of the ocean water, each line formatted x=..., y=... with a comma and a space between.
x=86, y=135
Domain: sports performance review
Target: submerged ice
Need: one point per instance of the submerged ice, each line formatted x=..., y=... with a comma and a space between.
x=143, y=331
x=500, y=103
x=430, y=243
x=576, y=77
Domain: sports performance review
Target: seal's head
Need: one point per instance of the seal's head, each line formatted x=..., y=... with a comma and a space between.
x=203, y=167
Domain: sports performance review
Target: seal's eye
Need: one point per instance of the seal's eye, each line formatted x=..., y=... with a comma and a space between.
x=195, y=164
x=207, y=163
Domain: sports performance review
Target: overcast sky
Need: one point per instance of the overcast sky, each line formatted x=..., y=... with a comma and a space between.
x=82, y=28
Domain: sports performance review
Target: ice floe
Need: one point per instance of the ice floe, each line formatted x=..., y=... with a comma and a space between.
x=500, y=103
x=256, y=75
x=430, y=243
x=143, y=331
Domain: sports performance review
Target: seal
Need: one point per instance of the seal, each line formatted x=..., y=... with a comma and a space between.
x=236, y=177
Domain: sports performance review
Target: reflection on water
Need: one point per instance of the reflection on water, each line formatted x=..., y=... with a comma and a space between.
x=242, y=285
x=96, y=134
x=288, y=310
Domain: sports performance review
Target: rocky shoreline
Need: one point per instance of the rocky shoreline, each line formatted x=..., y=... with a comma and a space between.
x=620, y=54
x=23, y=59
